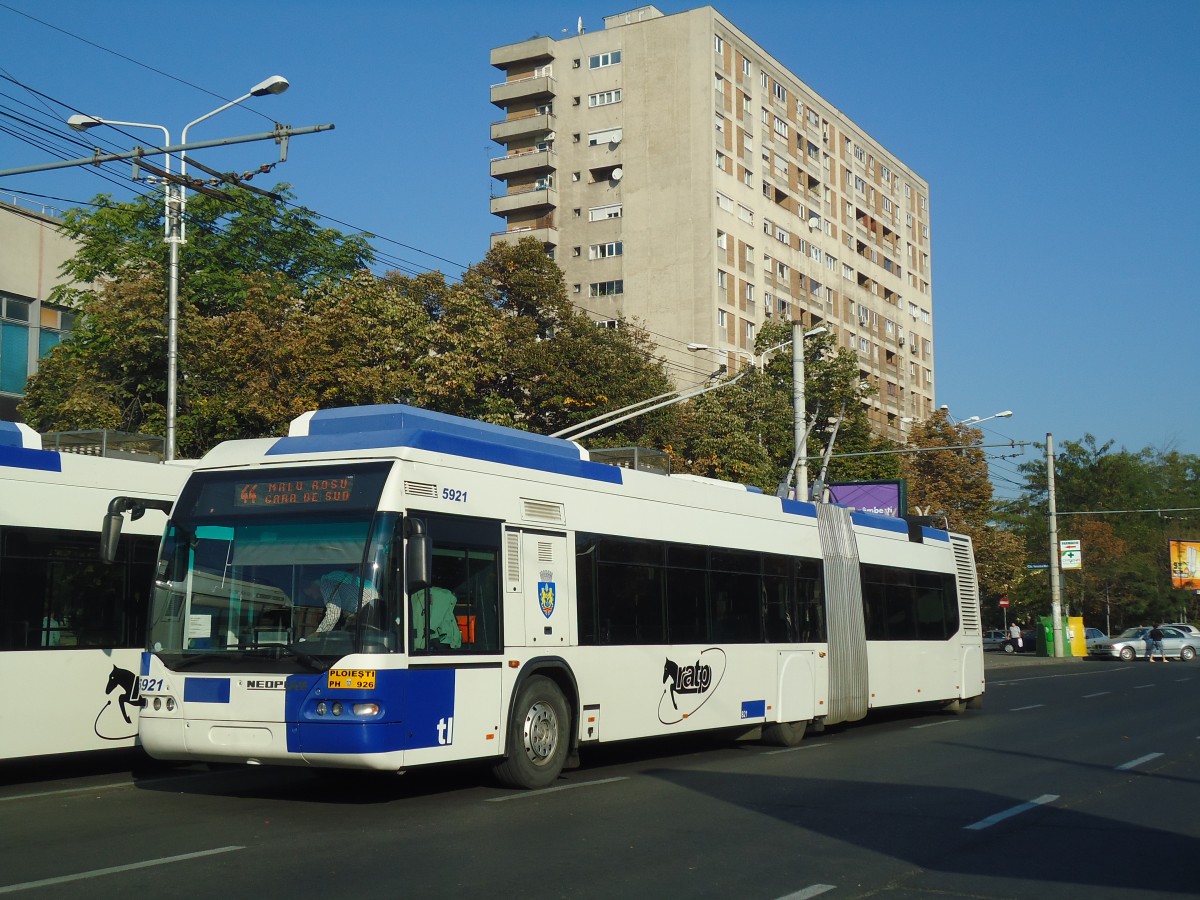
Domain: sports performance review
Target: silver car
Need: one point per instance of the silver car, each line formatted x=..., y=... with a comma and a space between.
x=1134, y=643
x=993, y=640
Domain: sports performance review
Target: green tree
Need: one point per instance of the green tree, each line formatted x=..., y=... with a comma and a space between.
x=954, y=485
x=745, y=432
x=227, y=236
x=1123, y=507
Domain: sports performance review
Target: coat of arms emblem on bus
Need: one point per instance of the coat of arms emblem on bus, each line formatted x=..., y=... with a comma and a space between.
x=125, y=683
x=546, y=594
x=688, y=685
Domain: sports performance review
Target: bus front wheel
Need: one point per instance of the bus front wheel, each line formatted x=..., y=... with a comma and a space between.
x=538, y=734
x=784, y=734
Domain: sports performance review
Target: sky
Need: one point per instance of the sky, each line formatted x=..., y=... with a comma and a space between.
x=1057, y=137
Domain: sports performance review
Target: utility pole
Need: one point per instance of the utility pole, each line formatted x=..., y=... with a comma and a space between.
x=1055, y=575
x=799, y=415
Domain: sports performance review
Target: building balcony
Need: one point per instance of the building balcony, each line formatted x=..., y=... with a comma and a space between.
x=522, y=125
x=533, y=50
x=543, y=230
x=531, y=160
x=529, y=198
x=533, y=87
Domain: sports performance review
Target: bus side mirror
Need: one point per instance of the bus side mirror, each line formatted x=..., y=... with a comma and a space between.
x=110, y=528
x=418, y=556
x=110, y=536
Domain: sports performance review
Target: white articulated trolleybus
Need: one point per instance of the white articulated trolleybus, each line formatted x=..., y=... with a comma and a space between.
x=71, y=628
x=388, y=587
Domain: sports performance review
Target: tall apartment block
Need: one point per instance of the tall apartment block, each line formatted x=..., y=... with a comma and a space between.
x=682, y=177
x=31, y=252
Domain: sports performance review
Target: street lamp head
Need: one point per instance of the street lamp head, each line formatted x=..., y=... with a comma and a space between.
x=80, y=122
x=276, y=84
x=1004, y=415
x=697, y=347
x=820, y=329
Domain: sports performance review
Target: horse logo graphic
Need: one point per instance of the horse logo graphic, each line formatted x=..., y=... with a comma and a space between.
x=690, y=685
x=127, y=682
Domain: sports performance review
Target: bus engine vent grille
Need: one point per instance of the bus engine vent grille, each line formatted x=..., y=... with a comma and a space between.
x=543, y=511
x=968, y=595
x=419, y=489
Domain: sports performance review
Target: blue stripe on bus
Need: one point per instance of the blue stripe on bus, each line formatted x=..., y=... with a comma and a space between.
x=145, y=667
x=934, y=534
x=873, y=520
x=800, y=508
x=416, y=710
x=24, y=458
x=377, y=427
x=205, y=690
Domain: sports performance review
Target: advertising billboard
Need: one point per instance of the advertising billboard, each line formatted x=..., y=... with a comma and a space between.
x=886, y=498
x=1185, y=564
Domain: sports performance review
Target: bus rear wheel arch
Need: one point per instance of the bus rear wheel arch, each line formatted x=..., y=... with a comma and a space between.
x=539, y=736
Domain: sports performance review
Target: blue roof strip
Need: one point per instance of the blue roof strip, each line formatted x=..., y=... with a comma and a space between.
x=21, y=458
x=12, y=436
x=885, y=523
x=934, y=534
x=800, y=508
x=379, y=427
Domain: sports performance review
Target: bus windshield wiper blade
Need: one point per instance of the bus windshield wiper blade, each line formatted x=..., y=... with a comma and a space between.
x=312, y=662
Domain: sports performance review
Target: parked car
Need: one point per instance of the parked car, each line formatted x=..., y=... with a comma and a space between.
x=1186, y=628
x=1028, y=642
x=993, y=640
x=1094, y=636
x=1133, y=643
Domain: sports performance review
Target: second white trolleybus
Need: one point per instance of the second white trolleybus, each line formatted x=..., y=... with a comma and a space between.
x=388, y=587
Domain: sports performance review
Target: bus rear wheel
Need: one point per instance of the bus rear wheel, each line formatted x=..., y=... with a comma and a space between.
x=538, y=735
x=784, y=734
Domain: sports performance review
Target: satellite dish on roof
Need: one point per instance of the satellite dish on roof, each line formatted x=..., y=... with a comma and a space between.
x=618, y=173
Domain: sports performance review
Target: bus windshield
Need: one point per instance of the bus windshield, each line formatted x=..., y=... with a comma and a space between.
x=281, y=566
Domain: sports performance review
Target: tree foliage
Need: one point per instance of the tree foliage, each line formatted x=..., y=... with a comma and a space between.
x=1123, y=507
x=953, y=484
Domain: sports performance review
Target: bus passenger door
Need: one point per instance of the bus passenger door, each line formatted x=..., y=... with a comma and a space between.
x=537, y=589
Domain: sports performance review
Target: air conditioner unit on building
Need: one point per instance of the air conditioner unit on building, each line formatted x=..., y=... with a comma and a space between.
x=900, y=340
x=913, y=349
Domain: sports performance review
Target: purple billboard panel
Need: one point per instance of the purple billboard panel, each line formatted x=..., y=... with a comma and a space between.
x=885, y=498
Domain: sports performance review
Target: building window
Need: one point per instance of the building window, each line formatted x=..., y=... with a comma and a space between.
x=780, y=92
x=764, y=79
x=613, y=324
x=598, y=213
x=722, y=279
x=604, y=98
x=749, y=332
x=603, y=251
x=749, y=293
x=745, y=66
x=721, y=319
x=600, y=60
x=724, y=202
x=722, y=239
x=781, y=127
x=607, y=136
x=718, y=43
x=745, y=214
x=606, y=288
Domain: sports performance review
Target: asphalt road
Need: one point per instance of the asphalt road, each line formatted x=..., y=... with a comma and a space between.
x=1078, y=779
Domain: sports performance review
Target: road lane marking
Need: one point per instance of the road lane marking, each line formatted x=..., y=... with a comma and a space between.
x=813, y=890
x=1138, y=687
x=561, y=787
x=1023, y=708
x=1009, y=813
x=78, y=790
x=1124, y=767
x=112, y=870
x=794, y=749
x=935, y=724
x=1097, y=694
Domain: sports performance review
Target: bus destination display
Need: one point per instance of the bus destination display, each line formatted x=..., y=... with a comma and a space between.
x=307, y=492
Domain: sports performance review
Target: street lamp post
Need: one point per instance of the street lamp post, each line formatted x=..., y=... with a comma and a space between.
x=176, y=204
x=973, y=421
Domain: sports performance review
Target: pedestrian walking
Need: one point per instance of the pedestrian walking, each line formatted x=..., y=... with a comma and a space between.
x=1156, y=643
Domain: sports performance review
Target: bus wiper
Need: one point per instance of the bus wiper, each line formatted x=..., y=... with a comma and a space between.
x=317, y=665
x=187, y=662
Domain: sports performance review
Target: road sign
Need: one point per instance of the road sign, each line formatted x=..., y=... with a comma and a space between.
x=1037, y=565
x=1070, y=554
x=1004, y=601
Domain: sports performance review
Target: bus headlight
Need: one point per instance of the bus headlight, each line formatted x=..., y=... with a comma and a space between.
x=337, y=707
x=322, y=708
x=366, y=710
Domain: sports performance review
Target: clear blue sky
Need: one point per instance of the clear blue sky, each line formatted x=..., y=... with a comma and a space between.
x=1059, y=140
